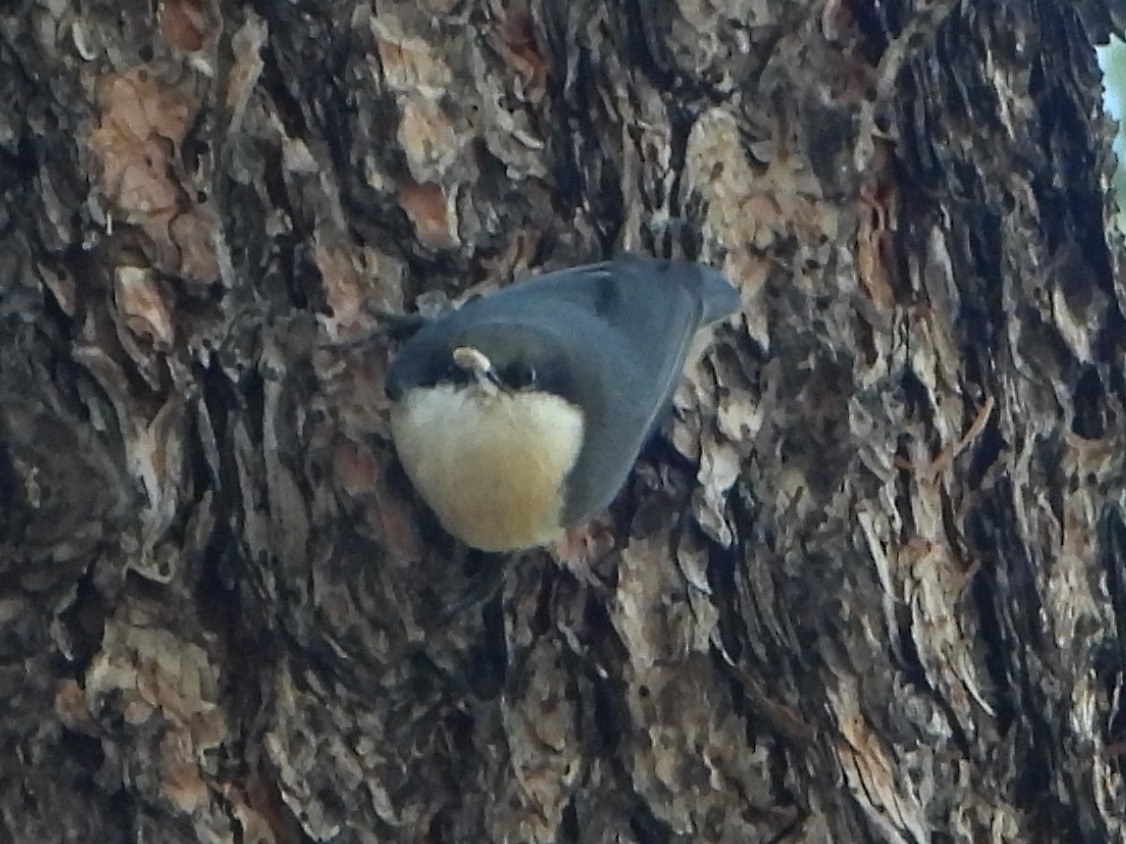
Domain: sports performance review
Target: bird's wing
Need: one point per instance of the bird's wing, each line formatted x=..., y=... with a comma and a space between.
x=648, y=312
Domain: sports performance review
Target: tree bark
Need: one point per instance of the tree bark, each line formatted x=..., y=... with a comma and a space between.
x=870, y=584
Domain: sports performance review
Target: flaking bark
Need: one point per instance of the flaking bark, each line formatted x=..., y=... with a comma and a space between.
x=869, y=586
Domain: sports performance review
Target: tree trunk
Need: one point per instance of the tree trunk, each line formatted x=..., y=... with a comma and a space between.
x=870, y=585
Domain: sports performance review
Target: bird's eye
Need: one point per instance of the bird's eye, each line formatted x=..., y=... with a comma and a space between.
x=454, y=374
x=520, y=376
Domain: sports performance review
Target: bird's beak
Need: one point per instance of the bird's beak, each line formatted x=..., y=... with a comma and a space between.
x=476, y=362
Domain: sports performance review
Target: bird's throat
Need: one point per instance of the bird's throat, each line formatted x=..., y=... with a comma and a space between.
x=492, y=466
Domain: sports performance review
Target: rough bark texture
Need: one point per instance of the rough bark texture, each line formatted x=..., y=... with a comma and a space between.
x=870, y=587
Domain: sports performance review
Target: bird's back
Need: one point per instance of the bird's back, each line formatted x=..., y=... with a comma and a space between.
x=636, y=318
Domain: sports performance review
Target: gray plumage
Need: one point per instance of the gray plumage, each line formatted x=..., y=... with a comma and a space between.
x=610, y=338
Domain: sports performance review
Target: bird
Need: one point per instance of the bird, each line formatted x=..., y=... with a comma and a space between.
x=521, y=413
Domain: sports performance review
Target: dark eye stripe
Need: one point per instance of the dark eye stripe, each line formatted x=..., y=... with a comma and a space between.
x=519, y=376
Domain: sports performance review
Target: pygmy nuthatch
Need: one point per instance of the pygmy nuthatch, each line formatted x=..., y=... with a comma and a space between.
x=521, y=413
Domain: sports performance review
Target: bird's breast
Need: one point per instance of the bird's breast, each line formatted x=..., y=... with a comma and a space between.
x=491, y=467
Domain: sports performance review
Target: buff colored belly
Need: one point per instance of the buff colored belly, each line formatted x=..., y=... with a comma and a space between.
x=491, y=467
